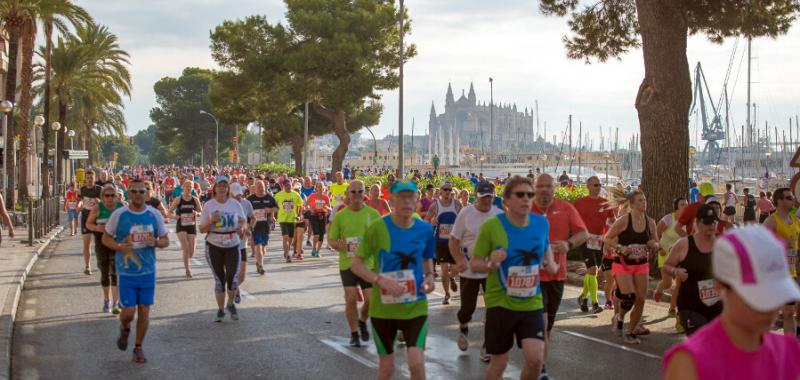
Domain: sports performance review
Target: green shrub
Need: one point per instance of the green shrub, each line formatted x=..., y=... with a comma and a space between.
x=276, y=168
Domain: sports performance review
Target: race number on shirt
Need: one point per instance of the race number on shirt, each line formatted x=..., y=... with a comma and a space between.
x=187, y=219
x=89, y=203
x=523, y=281
x=708, y=294
x=319, y=204
x=139, y=234
x=71, y=205
x=352, y=245
x=288, y=206
x=260, y=215
x=791, y=258
x=445, y=230
x=407, y=280
x=594, y=242
x=638, y=252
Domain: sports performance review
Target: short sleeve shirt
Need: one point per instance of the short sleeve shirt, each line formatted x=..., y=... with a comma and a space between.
x=468, y=224
x=135, y=227
x=260, y=206
x=223, y=233
x=564, y=222
x=288, y=204
x=350, y=226
x=594, y=212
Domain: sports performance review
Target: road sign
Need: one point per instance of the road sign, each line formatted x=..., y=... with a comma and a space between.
x=76, y=154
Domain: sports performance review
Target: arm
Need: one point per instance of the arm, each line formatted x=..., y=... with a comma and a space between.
x=386, y=205
x=611, y=240
x=431, y=214
x=357, y=266
x=676, y=255
x=454, y=244
x=90, y=220
x=681, y=367
x=661, y=228
x=6, y=218
x=109, y=242
x=578, y=239
x=335, y=237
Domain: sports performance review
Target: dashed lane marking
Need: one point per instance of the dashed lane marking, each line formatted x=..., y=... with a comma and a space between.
x=246, y=295
x=619, y=346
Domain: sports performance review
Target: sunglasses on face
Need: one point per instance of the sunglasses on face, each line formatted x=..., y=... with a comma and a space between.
x=595, y=185
x=447, y=190
x=788, y=198
x=522, y=194
x=137, y=191
x=109, y=195
x=356, y=191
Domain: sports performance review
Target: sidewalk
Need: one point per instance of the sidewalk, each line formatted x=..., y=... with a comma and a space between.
x=16, y=260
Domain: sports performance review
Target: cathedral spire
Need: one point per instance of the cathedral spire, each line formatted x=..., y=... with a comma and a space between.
x=449, y=99
x=433, y=111
x=473, y=100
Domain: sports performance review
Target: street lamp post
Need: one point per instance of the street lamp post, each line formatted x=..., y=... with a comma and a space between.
x=491, y=117
x=544, y=163
x=38, y=121
x=400, y=96
x=216, y=149
x=56, y=126
x=71, y=134
x=6, y=107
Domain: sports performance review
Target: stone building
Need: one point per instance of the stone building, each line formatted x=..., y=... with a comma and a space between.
x=466, y=123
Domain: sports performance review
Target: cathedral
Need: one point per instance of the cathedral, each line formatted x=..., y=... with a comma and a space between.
x=465, y=125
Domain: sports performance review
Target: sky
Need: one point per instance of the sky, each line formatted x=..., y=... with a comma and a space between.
x=463, y=42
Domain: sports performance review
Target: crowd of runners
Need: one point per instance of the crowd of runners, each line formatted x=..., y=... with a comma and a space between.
x=728, y=281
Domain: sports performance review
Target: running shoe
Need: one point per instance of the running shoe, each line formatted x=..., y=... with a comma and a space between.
x=631, y=338
x=596, y=309
x=354, y=342
x=463, y=343
x=260, y=269
x=679, y=326
x=616, y=325
x=308, y=243
x=232, y=310
x=484, y=356
x=87, y=271
x=314, y=253
x=446, y=300
x=609, y=305
x=641, y=330
x=115, y=310
x=363, y=330
x=122, y=341
x=220, y=316
x=106, y=306
x=671, y=313
x=453, y=285
x=400, y=337
x=583, y=303
x=238, y=297
x=300, y=257
x=543, y=375
x=288, y=259
x=138, y=355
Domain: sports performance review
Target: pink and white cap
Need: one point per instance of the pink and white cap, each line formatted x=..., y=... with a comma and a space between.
x=752, y=260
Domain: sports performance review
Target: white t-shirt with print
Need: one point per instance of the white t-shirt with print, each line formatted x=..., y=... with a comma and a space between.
x=223, y=234
x=468, y=224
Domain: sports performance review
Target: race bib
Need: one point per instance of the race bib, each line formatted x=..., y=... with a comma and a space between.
x=791, y=258
x=139, y=234
x=89, y=203
x=352, y=245
x=101, y=221
x=260, y=215
x=708, y=294
x=319, y=204
x=187, y=219
x=639, y=252
x=338, y=197
x=288, y=206
x=445, y=230
x=594, y=242
x=406, y=279
x=225, y=240
x=523, y=281
x=71, y=205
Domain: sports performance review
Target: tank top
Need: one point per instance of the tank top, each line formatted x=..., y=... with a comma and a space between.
x=446, y=218
x=637, y=241
x=717, y=358
x=186, y=216
x=102, y=218
x=426, y=204
x=789, y=233
x=669, y=237
x=697, y=293
x=380, y=206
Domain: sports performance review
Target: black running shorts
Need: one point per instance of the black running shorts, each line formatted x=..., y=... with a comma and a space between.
x=503, y=325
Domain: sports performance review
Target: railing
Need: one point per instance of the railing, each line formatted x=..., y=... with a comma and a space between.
x=42, y=217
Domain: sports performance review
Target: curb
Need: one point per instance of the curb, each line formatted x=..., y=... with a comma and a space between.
x=9, y=311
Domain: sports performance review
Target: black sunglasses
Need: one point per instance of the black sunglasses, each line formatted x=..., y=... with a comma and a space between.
x=137, y=191
x=356, y=191
x=596, y=185
x=522, y=194
x=109, y=195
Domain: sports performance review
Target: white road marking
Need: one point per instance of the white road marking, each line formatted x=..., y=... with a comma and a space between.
x=28, y=351
x=619, y=346
x=30, y=301
x=349, y=353
x=196, y=262
x=246, y=295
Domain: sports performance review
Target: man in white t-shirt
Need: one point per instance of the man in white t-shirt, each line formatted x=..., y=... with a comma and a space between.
x=462, y=241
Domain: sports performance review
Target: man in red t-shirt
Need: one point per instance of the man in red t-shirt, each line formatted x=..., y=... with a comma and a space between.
x=598, y=216
x=567, y=231
x=686, y=219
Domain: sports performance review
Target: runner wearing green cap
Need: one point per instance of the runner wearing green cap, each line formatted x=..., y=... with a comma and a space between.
x=685, y=222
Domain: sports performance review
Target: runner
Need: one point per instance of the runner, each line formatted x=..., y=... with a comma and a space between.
x=264, y=206
x=730, y=204
x=376, y=201
x=749, y=205
x=88, y=198
x=425, y=202
x=765, y=207
x=299, y=225
x=188, y=208
x=751, y=276
x=402, y=248
x=463, y=197
x=131, y=231
x=6, y=219
x=462, y=246
x=237, y=191
x=223, y=220
x=690, y=262
x=442, y=215
x=290, y=205
x=347, y=232
x=320, y=205
x=632, y=237
x=153, y=201
x=306, y=190
x=667, y=238
x=71, y=208
x=512, y=247
x=96, y=222
x=168, y=186
x=686, y=219
x=597, y=215
x=786, y=226
x=338, y=189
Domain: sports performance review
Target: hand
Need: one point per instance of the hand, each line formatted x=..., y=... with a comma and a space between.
x=497, y=256
x=125, y=247
x=560, y=247
x=150, y=241
x=392, y=287
x=429, y=284
x=624, y=250
x=461, y=266
x=681, y=274
x=10, y=231
x=653, y=244
x=435, y=221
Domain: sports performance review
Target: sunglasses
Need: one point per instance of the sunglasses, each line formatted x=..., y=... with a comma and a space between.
x=356, y=191
x=596, y=185
x=447, y=190
x=788, y=198
x=137, y=191
x=109, y=195
x=523, y=194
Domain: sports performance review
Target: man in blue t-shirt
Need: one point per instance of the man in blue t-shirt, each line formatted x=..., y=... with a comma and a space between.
x=134, y=232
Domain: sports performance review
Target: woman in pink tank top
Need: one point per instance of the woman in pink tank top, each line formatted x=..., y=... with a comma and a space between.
x=753, y=283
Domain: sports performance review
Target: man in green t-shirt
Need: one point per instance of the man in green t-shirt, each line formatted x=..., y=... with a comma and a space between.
x=512, y=247
x=338, y=189
x=402, y=249
x=290, y=205
x=346, y=233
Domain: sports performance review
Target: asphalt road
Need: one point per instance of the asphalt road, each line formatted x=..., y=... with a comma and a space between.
x=292, y=326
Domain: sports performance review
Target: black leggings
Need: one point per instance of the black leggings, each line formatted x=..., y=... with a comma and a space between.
x=469, y=297
x=105, y=261
x=224, y=263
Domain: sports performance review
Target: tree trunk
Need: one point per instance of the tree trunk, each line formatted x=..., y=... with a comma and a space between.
x=297, y=150
x=25, y=101
x=59, y=163
x=14, y=30
x=663, y=102
x=339, y=120
x=48, y=48
x=88, y=137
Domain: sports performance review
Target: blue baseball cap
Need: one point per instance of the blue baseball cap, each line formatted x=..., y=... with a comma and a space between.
x=404, y=186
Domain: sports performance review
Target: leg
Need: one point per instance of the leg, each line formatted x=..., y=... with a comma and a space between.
x=182, y=237
x=497, y=366
x=625, y=287
x=469, y=301
x=215, y=257
x=142, y=323
x=87, y=241
x=673, y=301
x=364, y=313
x=351, y=308
x=386, y=367
x=126, y=317
x=608, y=286
x=446, y=278
x=415, y=331
x=640, y=290
x=789, y=323
x=416, y=362
x=104, y=264
x=533, y=351
x=232, y=259
x=242, y=270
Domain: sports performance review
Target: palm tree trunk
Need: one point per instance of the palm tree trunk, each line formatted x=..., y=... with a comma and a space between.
x=48, y=49
x=14, y=31
x=25, y=102
x=59, y=163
